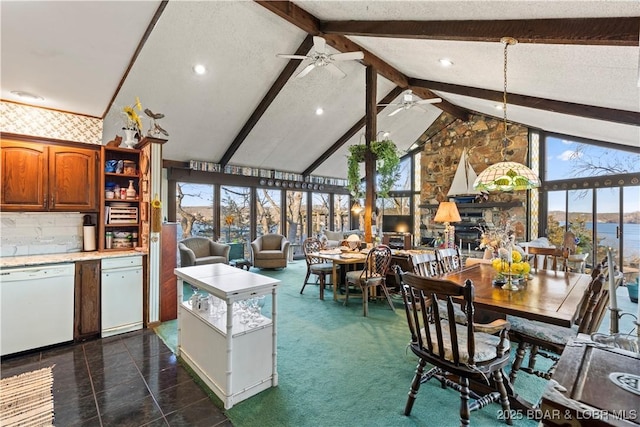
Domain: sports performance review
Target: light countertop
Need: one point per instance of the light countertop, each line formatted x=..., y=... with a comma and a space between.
x=33, y=260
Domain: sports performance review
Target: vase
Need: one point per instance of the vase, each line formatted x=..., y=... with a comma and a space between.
x=129, y=138
x=131, y=192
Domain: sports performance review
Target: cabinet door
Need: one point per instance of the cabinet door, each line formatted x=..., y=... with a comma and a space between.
x=168, y=289
x=87, y=300
x=72, y=178
x=24, y=176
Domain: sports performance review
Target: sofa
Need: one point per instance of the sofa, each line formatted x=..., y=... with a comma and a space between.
x=333, y=238
x=270, y=251
x=202, y=250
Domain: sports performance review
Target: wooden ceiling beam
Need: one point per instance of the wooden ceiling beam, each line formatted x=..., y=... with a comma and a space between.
x=393, y=94
x=588, y=111
x=309, y=23
x=621, y=31
x=271, y=94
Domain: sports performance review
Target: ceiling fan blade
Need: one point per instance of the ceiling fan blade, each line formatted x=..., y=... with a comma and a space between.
x=396, y=111
x=347, y=56
x=284, y=55
x=319, y=44
x=429, y=101
x=335, y=71
x=306, y=71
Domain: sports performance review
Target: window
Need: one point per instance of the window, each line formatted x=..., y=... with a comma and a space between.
x=567, y=158
x=319, y=213
x=296, y=216
x=602, y=212
x=194, y=210
x=341, y=212
x=235, y=214
x=268, y=211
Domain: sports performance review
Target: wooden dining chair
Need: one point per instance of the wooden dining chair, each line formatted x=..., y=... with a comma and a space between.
x=546, y=259
x=315, y=265
x=453, y=348
x=373, y=275
x=548, y=340
x=448, y=259
x=425, y=264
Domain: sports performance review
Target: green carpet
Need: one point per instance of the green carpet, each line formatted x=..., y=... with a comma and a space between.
x=338, y=368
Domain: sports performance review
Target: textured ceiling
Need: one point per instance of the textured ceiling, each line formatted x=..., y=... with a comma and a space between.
x=238, y=42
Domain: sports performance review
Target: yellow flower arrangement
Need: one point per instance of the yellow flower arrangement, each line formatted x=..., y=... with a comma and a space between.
x=518, y=267
x=132, y=118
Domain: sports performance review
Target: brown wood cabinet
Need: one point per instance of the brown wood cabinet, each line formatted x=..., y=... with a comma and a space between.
x=86, y=319
x=168, y=280
x=39, y=176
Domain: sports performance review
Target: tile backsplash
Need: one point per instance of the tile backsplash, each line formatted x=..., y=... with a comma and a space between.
x=39, y=233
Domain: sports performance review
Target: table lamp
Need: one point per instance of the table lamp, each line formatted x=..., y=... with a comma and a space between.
x=447, y=213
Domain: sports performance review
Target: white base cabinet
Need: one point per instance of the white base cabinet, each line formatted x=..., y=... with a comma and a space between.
x=235, y=360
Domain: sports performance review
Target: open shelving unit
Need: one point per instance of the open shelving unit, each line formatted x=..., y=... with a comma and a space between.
x=120, y=216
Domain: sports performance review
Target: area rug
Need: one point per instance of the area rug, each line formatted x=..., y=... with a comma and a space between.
x=27, y=399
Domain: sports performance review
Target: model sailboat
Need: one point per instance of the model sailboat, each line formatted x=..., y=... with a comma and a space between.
x=462, y=185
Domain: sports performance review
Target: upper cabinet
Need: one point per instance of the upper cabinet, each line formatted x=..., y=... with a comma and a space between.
x=37, y=176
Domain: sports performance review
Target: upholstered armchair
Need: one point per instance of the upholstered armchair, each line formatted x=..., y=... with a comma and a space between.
x=270, y=251
x=202, y=250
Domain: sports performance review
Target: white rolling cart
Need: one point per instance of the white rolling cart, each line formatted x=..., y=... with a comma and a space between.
x=235, y=358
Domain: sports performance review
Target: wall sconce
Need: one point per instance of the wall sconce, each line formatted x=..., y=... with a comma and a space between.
x=356, y=208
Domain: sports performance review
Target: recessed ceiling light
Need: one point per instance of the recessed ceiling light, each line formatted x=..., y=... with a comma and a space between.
x=27, y=96
x=446, y=62
x=199, y=69
x=319, y=111
x=499, y=107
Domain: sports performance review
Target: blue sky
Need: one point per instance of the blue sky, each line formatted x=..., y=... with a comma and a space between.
x=565, y=157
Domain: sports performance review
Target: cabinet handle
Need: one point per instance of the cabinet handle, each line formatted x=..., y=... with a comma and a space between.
x=44, y=202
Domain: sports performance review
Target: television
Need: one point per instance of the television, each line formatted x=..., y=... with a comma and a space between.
x=397, y=224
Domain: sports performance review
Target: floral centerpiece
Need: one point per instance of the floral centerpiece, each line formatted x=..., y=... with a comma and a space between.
x=508, y=259
x=512, y=264
x=132, y=122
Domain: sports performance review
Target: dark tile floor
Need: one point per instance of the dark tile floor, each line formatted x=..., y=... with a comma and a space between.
x=131, y=379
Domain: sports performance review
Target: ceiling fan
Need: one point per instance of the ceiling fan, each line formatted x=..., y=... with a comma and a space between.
x=321, y=58
x=408, y=102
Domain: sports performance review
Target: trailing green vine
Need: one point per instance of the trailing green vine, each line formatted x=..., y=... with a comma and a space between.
x=387, y=166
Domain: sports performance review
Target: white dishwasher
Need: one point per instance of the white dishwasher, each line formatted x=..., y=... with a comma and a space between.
x=37, y=307
x=121, y=294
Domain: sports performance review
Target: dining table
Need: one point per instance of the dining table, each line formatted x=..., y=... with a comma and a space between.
x=338, y=257
x=547, y=296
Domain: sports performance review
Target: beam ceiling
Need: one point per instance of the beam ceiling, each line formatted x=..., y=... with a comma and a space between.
x=309, y=23
x=583, y=31
x=589, y=111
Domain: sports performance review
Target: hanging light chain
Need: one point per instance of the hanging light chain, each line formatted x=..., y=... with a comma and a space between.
x=507, y=41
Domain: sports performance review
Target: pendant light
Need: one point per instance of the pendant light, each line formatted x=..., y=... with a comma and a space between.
x=506, y=176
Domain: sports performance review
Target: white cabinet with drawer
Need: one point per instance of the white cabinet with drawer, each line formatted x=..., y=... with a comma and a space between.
x=121, y=309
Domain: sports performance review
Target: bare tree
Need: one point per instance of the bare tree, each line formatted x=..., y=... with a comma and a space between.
x=294, y=217
x=188, y=219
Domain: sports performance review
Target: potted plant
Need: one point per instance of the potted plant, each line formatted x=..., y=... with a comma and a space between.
x=387, y=166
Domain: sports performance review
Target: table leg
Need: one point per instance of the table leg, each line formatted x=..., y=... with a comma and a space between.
x=334, y=280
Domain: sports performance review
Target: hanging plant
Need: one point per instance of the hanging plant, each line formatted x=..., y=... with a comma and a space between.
x=387, y=166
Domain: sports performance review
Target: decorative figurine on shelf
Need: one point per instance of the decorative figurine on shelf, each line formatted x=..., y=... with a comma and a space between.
x=115, y=142
x=155, y=128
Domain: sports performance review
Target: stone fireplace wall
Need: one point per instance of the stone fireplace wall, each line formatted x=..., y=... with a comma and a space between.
x=482, y=136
